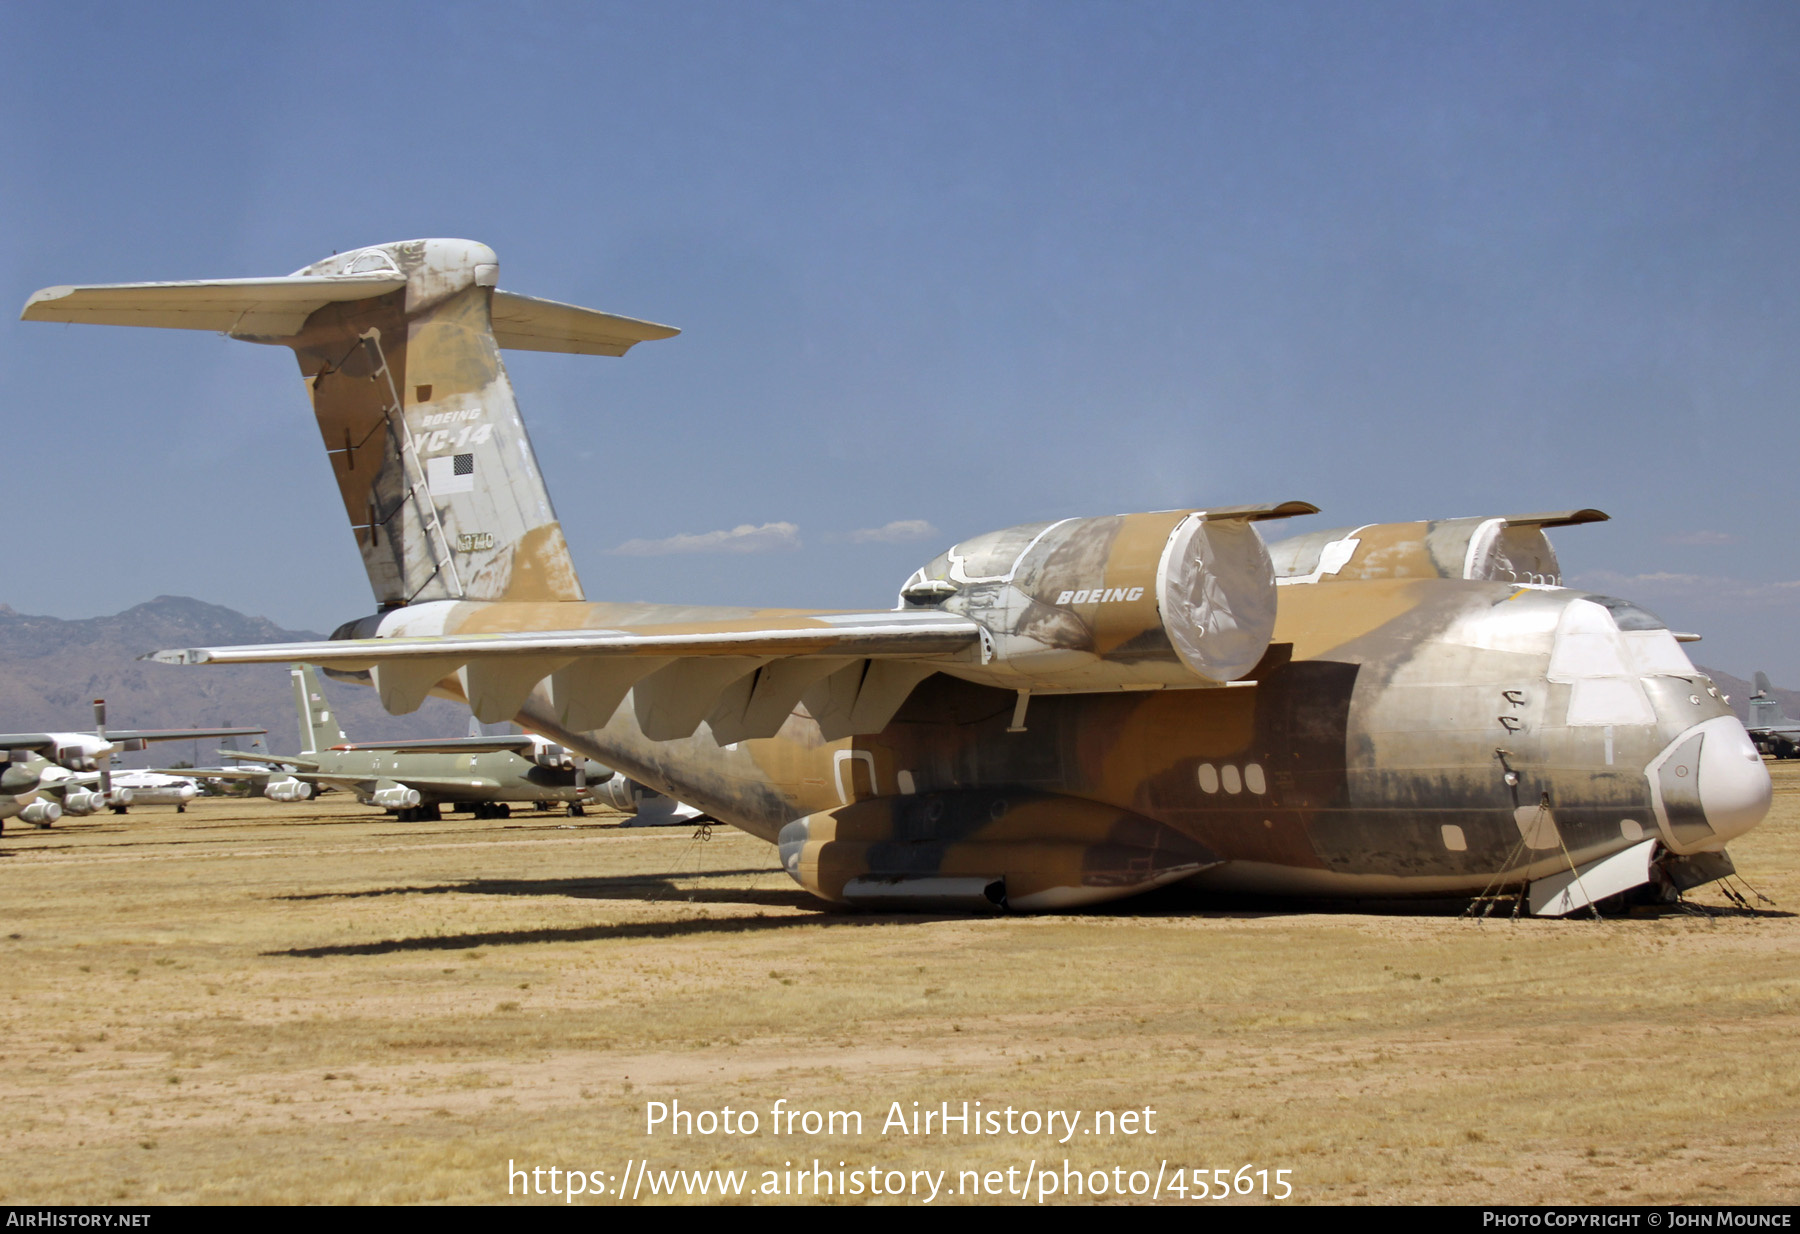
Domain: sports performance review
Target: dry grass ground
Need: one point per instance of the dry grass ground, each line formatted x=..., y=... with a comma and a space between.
x=262, y=1003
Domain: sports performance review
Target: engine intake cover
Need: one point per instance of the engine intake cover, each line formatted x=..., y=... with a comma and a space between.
x=1124, y=601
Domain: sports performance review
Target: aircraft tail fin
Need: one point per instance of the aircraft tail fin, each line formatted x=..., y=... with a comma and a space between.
x=1766, y=711
x=400, y=348
x=319, y=729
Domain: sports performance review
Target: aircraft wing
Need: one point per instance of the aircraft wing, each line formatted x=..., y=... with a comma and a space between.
x=367, y=784
x=517, y=743
x=120, y=735
x=742, y=677
x=442, y=784
x=214, y=773
x=124, y=738
x=27, y=741
x=269, y=759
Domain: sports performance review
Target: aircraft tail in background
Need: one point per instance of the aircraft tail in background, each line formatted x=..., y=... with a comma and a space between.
x=319, y=729
x=1765, y=711
x=1769, y=726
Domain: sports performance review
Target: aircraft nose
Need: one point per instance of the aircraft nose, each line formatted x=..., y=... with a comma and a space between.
x=1734, y=785
x=1710, y=786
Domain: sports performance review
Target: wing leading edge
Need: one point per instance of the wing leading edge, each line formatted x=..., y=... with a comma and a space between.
x=742, y=678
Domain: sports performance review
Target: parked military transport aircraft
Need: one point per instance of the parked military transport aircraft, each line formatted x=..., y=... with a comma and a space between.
x=1054, y=715
x=65, y=793
x=23, y=790
x=1769, y=725
x=416, y=778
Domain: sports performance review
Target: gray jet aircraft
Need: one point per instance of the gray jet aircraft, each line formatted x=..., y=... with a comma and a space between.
x=418, y=778
x=1769, y=725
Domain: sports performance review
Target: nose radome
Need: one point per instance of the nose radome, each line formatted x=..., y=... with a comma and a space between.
x=1734, y=785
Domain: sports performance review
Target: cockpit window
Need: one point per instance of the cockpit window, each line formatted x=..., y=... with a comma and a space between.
x=372, y=262
x=1630, y=616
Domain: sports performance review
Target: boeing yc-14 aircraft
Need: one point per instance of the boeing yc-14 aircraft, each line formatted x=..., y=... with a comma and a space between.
x=1053, y=715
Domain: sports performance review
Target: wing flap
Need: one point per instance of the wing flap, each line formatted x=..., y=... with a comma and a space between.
x=671, y=702
x=863, y=696
x=759, y=704
x=586, y=692
x=497, y=688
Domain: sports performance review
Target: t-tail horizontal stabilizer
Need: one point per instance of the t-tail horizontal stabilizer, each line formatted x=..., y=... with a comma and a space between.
x=400, y=346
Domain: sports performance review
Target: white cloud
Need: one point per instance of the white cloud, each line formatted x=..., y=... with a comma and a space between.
x=900, y=531
x=1701, y=537
x=1700, y=588
x=769, y=538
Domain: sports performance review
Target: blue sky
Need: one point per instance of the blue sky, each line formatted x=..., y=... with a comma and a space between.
x=943, y=266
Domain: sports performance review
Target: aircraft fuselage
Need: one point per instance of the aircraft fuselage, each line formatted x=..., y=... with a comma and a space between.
x=1402, y=737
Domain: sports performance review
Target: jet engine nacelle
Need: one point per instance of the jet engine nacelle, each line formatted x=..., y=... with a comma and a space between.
x=80, y=802
x=548, y=754
x=396, y=798
x=288, y=790
x=41, y=813
x=619, y=792
x=1128, y=601
x=1505, y=549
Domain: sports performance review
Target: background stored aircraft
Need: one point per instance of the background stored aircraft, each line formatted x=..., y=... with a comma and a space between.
x=90, y=755
x=1769, y=726
x=416, y=779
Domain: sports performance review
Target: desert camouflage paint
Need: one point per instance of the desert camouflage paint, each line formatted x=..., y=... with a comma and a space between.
x=1056, y=714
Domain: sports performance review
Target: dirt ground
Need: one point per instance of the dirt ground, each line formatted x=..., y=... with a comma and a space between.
x=253, y=1003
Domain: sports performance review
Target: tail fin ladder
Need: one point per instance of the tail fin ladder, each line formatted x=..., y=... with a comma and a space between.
x=319, y=729
x=400, y=348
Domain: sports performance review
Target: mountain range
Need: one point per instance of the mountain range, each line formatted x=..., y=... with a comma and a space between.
x=51, y=670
